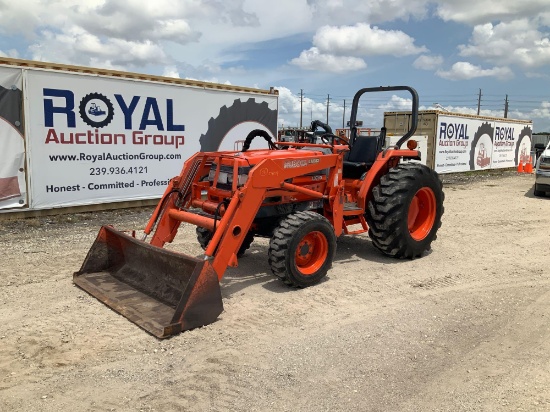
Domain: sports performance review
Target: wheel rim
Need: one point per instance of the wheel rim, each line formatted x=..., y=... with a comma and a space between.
x=311, y=253
x=422, y=212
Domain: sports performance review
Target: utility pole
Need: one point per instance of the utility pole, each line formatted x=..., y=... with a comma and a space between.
x=479, y=102
x=506, y=107
x=328, y=104
x=344, y=115
x=301, y=104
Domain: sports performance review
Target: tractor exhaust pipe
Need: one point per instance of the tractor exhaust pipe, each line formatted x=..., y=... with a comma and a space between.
x=161, y=291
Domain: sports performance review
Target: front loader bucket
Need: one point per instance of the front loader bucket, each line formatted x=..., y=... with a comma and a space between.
x=159, y=290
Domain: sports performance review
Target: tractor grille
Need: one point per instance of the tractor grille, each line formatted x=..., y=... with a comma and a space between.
x=225, y=176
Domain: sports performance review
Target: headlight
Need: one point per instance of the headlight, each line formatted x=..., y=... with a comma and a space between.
x=212, y=173
x=544, y=163
x=224, y=178
x=242, y=179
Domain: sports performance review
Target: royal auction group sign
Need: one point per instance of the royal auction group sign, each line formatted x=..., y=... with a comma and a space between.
x=94, y=139
x=465, y=144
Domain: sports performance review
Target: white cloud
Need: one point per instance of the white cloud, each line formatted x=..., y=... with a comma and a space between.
x=290, y=109
x=467, y=71
x=517, y=42
x=181, y=22
x=425, y=62
x=543, y=111
x=108, y=32
x=371, y=11
x=128, y=27
x=207, y=38
x=313, y=59
x=481, y=11
x=339, y=49
x=396, y=103
x=171, y=71
x=26, y=16
x=364, y=40
x=80, y=47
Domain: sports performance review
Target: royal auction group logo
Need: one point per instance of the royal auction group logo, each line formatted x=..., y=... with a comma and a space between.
x=96, y=110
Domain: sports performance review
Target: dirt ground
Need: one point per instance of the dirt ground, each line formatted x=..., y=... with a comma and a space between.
x=464, y=328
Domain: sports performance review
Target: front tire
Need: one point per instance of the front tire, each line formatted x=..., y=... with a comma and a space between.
x=405, y=211
x=302, y=249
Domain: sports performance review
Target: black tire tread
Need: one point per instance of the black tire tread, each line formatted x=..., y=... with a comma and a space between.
x=389, y=205
x=279, y=245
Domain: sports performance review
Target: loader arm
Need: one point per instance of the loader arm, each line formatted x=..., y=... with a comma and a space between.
x=176, y=193
x=269, y=174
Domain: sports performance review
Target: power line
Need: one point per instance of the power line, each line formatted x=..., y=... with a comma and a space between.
x=466, y=101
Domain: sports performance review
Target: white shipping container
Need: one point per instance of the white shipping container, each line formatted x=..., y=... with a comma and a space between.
x=461, y=142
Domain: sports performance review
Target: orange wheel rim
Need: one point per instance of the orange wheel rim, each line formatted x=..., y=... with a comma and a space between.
x=422, y=212
x=311, y=253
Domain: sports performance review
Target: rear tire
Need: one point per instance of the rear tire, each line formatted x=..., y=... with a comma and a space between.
x=302, y=249
x=204, y=236
x=405, y=210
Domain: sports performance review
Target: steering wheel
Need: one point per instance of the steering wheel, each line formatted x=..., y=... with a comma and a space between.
x=325, y=139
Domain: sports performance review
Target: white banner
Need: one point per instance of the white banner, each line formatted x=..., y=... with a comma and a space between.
x=454, y=143
x=13, y=192
x=465, y=144
x=511, y=143
x=96, y=139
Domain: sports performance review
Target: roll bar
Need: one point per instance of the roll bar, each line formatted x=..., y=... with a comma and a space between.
x=355, y=105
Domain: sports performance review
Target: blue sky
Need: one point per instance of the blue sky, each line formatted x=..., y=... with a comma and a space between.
x=448, y=50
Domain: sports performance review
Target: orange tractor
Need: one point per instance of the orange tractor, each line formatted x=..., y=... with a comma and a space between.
x=301, y=196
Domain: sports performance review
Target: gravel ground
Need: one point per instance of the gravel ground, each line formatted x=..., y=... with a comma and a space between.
x=464, y=328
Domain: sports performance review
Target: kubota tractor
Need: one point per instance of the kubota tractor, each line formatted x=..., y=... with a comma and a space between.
x=301, y=196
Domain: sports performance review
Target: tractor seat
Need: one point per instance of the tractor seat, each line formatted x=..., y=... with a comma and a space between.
x=361, y=156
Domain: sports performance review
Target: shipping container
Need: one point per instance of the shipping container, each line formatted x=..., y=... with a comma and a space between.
x=462, y=142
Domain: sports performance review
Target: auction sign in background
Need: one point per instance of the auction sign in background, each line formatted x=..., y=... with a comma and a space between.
x=465, y=144
x=94, y=139
x=13, y=192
